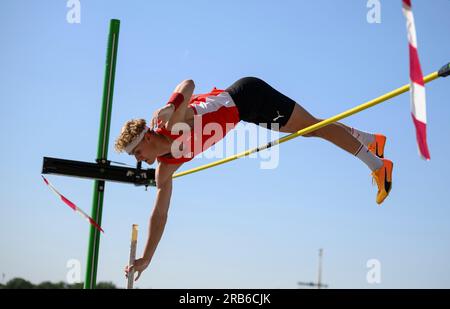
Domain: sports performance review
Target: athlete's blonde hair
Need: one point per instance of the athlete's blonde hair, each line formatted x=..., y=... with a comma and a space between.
x=130, y=130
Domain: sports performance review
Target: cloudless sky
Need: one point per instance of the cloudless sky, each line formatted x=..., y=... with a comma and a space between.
x=236, y=225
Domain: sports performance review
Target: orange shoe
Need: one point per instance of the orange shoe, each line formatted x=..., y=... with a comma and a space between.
x=377, y=146
x=383, y=178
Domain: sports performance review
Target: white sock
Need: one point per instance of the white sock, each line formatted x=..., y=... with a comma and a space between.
x=363, y=137
x=372, y=161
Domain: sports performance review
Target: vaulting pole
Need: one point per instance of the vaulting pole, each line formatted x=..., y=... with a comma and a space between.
x=443, y=72
x=134, y=236
x=102, y=153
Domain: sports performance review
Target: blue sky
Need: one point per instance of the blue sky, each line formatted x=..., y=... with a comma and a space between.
x=234, y=226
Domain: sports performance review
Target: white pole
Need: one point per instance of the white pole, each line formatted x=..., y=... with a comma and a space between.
x=134, y=235
x=319, y=281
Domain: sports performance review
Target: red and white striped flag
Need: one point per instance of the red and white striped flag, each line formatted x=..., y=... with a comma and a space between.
x=73, y=206
x=418, y=101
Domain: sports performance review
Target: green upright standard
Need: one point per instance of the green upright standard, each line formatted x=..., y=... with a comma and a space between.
x=102, y=152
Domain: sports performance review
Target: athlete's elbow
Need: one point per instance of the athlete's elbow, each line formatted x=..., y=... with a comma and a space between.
x=189, y=82
x=185, y=87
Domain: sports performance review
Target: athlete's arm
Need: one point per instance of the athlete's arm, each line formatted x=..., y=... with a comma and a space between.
x=186, y=88
x=159, y=216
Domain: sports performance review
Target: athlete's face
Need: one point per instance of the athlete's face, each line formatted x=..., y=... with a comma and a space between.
x=146, y=150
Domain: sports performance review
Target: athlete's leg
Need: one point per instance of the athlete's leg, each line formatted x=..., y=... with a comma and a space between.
x=374, y=142
x=334, y=132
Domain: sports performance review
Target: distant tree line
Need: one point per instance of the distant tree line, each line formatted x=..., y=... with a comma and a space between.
x=19, y=283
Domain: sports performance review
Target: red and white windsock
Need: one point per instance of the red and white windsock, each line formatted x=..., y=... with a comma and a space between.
x=418, y=101
x=72, y=205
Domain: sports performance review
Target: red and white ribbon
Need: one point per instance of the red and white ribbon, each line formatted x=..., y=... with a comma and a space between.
x=72, y=205
x=418, y=101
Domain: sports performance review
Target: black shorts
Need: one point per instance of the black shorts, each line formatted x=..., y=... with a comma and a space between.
x=259, y=103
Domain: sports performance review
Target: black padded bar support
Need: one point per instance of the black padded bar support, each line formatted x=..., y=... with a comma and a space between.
x=99, y=171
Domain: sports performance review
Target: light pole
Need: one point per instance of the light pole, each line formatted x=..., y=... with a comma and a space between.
x=319, y=278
